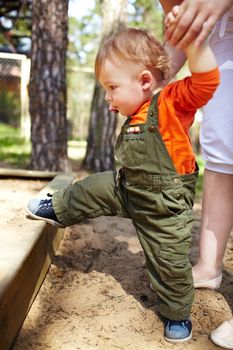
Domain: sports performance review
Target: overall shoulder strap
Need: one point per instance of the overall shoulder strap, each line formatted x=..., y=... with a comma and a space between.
x=152, y=115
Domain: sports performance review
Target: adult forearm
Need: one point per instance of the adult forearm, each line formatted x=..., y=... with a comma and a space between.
x=177, y=58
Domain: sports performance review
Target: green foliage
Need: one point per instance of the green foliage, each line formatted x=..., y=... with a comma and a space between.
x=147, y=14
x=85, y=33
x=15, y=151
x=9, y=107
x=15, y=24
x=13, y=148
x=199, y=186
x=84, y=37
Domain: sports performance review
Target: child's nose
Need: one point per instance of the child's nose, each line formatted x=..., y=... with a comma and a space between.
x=107, y=97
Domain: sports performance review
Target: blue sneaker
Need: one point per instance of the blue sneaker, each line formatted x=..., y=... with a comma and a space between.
x=178, y=331
x=42, y=209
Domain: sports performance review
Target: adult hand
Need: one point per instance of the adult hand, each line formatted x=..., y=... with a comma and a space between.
x=195, y=21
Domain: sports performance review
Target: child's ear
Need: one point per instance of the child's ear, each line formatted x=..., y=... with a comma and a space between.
x=146, y=79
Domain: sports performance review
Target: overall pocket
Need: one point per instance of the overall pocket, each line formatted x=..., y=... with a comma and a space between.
x=132, y=150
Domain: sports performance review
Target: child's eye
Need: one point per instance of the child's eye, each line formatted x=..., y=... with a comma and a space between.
x=112, y=87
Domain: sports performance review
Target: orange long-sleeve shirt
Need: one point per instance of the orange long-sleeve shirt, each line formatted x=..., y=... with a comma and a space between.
x=177, y=105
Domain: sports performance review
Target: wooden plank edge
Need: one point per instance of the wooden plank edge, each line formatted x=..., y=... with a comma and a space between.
x=18, y=295
x=34, y=174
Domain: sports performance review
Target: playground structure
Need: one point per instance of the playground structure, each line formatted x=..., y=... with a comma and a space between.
x=26, y=251
x=14, y=97
x=14, y=80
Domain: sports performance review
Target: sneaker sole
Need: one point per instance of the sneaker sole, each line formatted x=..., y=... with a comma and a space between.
x=183, y=340
x=36, y=217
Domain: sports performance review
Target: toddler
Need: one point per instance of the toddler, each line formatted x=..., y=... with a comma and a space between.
x=155, y=184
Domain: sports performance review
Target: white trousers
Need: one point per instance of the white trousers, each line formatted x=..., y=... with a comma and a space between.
x=216, y=133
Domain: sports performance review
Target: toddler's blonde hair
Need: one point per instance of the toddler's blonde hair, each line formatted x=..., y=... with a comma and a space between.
x=137, y=47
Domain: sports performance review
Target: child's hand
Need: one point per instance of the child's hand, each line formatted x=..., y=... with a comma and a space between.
x=171, y=18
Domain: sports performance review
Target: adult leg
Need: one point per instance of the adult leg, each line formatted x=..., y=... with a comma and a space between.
x=217, y=148
x=217, y=221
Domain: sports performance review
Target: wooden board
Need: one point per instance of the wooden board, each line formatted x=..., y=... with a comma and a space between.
x=4, y=172
x=27, y=248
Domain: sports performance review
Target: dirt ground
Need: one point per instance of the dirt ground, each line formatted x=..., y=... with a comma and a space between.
x=96, y=295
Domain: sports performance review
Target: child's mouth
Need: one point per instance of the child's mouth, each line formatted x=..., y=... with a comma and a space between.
x=113, y=109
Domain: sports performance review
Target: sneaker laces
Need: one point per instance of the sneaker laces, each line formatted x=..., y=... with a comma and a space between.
x=184, y=323
x=45, y=204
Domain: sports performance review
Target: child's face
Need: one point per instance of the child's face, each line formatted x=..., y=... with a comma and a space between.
x=124, y=90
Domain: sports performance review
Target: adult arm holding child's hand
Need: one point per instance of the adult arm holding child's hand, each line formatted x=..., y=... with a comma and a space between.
x=200, y=58
x=195, y=20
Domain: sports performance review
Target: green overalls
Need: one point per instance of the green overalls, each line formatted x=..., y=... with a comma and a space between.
x=159, y=201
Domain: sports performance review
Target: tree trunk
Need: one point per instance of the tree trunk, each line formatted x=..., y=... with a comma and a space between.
x=102, y=125
x=47, y=88
x=101, y=138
